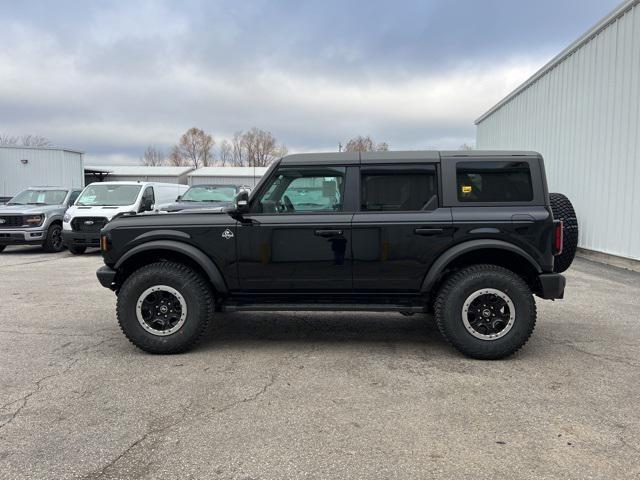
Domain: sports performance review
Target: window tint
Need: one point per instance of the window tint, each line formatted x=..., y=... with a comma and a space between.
x=398, y=189
x=312, y=189
x=494, y=182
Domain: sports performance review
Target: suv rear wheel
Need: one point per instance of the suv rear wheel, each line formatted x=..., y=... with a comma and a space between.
x=485, y=311
x=164, y=307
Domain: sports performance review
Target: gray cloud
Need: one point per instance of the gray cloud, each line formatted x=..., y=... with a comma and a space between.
x=111, y=78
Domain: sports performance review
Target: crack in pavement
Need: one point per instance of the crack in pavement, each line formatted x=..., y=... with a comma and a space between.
x=30, y=263
x=38, y=383
x=573, y=346
x=25, y=399
x=101, y=472
x=248, y=399
x=56, y=334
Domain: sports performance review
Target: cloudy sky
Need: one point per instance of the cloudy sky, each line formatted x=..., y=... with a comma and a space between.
x=111, y=78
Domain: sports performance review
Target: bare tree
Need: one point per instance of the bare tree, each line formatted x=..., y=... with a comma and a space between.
x=260, y=147
x=35, y=141
x=8, y=140
x=225, y=153
x=364, y=144
x=465, y=146
x=194, y=148
x=175, y=158
x=237, y=154
x=153, y=157
x=25, y=141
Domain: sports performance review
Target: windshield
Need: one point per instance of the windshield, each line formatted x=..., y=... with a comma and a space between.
x=109, y=195
x=39, y=197
x=210, y=193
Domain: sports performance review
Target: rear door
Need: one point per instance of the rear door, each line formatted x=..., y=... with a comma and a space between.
x=400, y=227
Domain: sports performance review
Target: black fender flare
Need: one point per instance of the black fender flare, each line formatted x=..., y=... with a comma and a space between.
x=454, y=252
x=195, y=254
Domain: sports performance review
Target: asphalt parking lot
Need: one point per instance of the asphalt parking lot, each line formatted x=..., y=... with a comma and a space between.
x=312, y=395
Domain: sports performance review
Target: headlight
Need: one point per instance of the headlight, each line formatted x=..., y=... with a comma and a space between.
x=34, y=220
x=66, y=218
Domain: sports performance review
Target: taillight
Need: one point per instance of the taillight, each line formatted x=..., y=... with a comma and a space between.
x=558, y=237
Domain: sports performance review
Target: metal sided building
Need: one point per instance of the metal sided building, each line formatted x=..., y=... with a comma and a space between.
x=135, y=173
x=22, y=167
x=581, y=111
x=227, y=176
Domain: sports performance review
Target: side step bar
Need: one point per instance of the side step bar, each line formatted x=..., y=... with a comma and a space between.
x=321, y=307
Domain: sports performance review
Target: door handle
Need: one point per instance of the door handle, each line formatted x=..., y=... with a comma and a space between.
x=428, y=231
x=328, y=233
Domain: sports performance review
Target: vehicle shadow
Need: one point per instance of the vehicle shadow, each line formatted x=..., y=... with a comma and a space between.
x=321, y=327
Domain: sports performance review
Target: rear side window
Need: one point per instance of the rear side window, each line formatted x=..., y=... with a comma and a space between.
x=494, y=182
x=397, y=188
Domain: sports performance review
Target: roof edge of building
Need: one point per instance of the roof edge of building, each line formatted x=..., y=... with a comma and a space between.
x=604, y=23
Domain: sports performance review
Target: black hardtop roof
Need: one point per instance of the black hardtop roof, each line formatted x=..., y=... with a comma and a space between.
x=408, y=156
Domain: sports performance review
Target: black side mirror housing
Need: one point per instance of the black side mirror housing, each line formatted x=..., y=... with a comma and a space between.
x=179, y=198
x=241, y=205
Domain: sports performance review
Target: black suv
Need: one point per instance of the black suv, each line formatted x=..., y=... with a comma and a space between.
x=467, y=236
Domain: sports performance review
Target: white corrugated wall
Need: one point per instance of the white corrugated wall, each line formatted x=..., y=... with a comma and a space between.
x=583, y=116
x=43, y=167
x=144, y=178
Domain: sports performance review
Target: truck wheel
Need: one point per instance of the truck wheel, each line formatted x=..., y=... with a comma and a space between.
x=77, y=249
x=164, y=307
x=563, y=210
x=485, y=311
x=53, y=240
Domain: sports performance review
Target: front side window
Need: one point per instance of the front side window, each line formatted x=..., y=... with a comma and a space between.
x=494, y=182
x=109, y=195
x=305, y=189
x=210, y=193
x=39, y=197
x=396, y=188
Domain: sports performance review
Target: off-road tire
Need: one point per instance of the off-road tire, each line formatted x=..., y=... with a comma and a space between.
x=53, y=241
x=563, y=210
x=2, y=247
x=77, y=249
x=197, y=294
x=459, y=286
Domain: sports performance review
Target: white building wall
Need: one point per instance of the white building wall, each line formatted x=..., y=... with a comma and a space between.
x=43, y=167
x=146, y=178
x=583, y=116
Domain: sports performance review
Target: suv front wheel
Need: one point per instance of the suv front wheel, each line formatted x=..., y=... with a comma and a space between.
x=164, y=307
x=485, y=311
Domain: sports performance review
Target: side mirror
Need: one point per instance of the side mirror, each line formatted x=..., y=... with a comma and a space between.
x=241, y=205
x=179, y=198
x=242, y=201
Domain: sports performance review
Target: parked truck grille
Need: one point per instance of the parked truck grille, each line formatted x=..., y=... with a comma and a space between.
x=88, y=224
x=11, y=221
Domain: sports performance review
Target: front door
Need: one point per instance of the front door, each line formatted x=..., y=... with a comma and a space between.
x=297, y=236
x=400, y=228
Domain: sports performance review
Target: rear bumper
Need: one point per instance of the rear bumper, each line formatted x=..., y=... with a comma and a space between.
x=81, y=239
x=551, y=285
x=21, y=237
x=106, y=276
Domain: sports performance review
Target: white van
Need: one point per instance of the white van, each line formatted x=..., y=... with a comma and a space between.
x=101, y=201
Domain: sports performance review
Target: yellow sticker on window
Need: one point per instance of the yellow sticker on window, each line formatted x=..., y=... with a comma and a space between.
x=466, y=188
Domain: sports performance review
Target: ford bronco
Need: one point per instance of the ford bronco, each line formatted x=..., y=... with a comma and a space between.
x=469, y=237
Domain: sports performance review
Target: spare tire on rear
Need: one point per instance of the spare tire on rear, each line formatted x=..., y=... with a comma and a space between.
x=563, y=210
